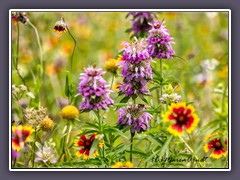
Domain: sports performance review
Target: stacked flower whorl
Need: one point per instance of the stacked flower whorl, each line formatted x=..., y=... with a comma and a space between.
x=136, y=69
x=134, y=116
x=159, y=41
x=94, y=90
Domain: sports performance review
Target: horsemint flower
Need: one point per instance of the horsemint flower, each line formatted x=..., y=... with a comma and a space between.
x=134, y=116
x=159, y=41
x=15, y=154
x=140, y=22
x=94, y=90
x=46, y=155
x=136, y=69
x=215, y=145
x=86, y=145
x=182, y=117
x=69, y=112
x=122, y=165
x=21, y=134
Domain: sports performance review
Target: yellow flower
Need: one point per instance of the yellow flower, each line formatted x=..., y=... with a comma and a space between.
x=129, y=164
x=117, y=165
x=223, y=73
x=181, y=116
x=116, y=86
x=123, y=165
x=112, y=65
x=47, y=124
x=69, y=112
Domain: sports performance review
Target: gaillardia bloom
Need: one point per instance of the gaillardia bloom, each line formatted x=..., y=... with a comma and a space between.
x=182, y=117
x=60, y=27
x=122, y=165
x=69, y=112
x=21, y=134
x=134, y=116
x=215, y=146
x=86, y=145
x=136, y=69
x=19, y=17
x=159, y=41
x=94, y=91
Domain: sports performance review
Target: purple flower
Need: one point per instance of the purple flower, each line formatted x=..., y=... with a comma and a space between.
x=134, y=116
x=140, y=22
x=159, y=41
x=15, y=155
x=46, y=155
x=94, y=90
x=136, y=69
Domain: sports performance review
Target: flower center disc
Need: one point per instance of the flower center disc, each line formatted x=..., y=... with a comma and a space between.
x=218, y=144
x=181, y=118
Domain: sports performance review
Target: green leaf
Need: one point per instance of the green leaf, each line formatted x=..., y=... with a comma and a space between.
x=119, y=150
x=178, y=57
x=125, y=99
x=153, y=88
x=67, y=91
x=154, y=139
x=115, y=130
x=138, y=152
x=120, y=104
x=156, y=72
x=39, y=146
x=142, y=98
x=128, y=30
x=94, y=146
x=37, y=82
x=162, y=150
x=30, y=94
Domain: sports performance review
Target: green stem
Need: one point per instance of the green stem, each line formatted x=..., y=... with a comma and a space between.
x=75, y=42
x=112, y=82
x=67, y=139
x=157, y=90
x=39, y=44
x=34, y=147
x=161, y=71
x=191, y=150
x=17, y=58
x=101, y=130
x=46, y=164
x=131, y=147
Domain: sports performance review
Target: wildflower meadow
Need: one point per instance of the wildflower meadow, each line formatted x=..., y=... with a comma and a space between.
x=119, y=90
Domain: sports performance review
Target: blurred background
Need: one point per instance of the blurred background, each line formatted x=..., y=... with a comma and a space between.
x=201, y=42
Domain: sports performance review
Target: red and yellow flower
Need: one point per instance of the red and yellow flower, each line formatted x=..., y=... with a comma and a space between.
x=214, y=144
x=60, y=27
x=21, y=134
x=182, y=117
x=86, y=145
